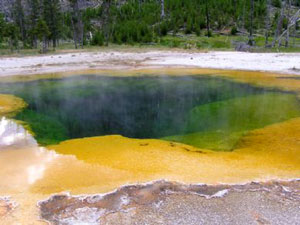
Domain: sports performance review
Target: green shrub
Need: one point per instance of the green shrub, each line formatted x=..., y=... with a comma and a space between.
x=234, y=30
x=199, y=45
x=198, y=31
x=98, y=39
x=201, y=22
x=189, y=26
x=220, y=44
x=163, y=29
x=208, y=34
x=276, y=3
x=175, y=44
x=202, y=44
x=147, y=38
x=285, y=23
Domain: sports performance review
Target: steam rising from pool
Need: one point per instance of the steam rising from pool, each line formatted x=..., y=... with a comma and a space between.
x=201, y=111
x=87, y=105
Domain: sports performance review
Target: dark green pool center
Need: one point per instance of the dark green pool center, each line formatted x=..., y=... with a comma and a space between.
x=169, y=107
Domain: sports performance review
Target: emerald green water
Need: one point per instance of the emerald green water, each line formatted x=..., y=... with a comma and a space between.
x=227, y=121
x=202, y=111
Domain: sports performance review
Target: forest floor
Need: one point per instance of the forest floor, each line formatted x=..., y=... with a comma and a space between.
x=133, y=58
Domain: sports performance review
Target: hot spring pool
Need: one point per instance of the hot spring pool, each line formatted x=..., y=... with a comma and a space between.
x=91, y=133
x=202, y=111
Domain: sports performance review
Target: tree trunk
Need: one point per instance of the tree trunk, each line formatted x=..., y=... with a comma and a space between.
x=44, y=45
x=294, y=34
x=279, y=25
x=106, y=10
x=81, y=34
x=74, y=34
x=162, y=15
x=140, y=3
x=54, y=43
x=207, y=18
x=251, y=40
x=268, y=23
x=35, y=42
x=244, y=12
x=293, y=21
x=77, y=25
x=11, y=46
x=20, y=20
x=287, y=37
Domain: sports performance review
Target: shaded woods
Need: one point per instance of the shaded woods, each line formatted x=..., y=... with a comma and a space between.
x=48, y=23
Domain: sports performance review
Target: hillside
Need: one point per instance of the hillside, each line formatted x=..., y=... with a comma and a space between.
x=7, y=6
x=166, y=22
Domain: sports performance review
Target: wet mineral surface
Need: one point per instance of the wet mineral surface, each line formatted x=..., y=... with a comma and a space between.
x=6, y=206
x=88, y=166
x=172, y=203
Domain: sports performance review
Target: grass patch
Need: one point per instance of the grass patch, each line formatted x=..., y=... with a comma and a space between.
x=182, y=41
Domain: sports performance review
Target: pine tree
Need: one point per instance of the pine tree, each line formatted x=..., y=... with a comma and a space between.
x=251, y=39
x=43, y=33
x=33, y=17
x=12, y=32
x=141, y=20
x=52, y=17
x=106, y=19
x=19, y=18
x=268, y=22
x=287, y=36
x=162, y=5
x=207, y=18
x=279, y=26
x=2, y=28
x=77, y=23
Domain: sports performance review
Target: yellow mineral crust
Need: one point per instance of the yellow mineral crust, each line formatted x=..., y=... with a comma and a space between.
x=110, y=161
x=100, y=164
x=9, y=105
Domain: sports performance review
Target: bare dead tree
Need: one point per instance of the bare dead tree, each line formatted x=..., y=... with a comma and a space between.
x=106, y=19
x=287, y=37
x=207, y=18
x=251, y=39
x=292, y=21
x=244, y=13
x=294, y=34
x=279, y=25
x=268, y=23
x=162, y=14
x=140, y=3
x=77, y=24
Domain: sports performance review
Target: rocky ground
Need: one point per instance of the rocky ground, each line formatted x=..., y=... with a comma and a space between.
x=173, y=203
x=6, y=206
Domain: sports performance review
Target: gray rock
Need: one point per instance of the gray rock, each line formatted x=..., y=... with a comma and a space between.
x=242, y=47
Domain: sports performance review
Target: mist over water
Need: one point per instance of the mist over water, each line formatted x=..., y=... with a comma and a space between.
x=141, y=107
